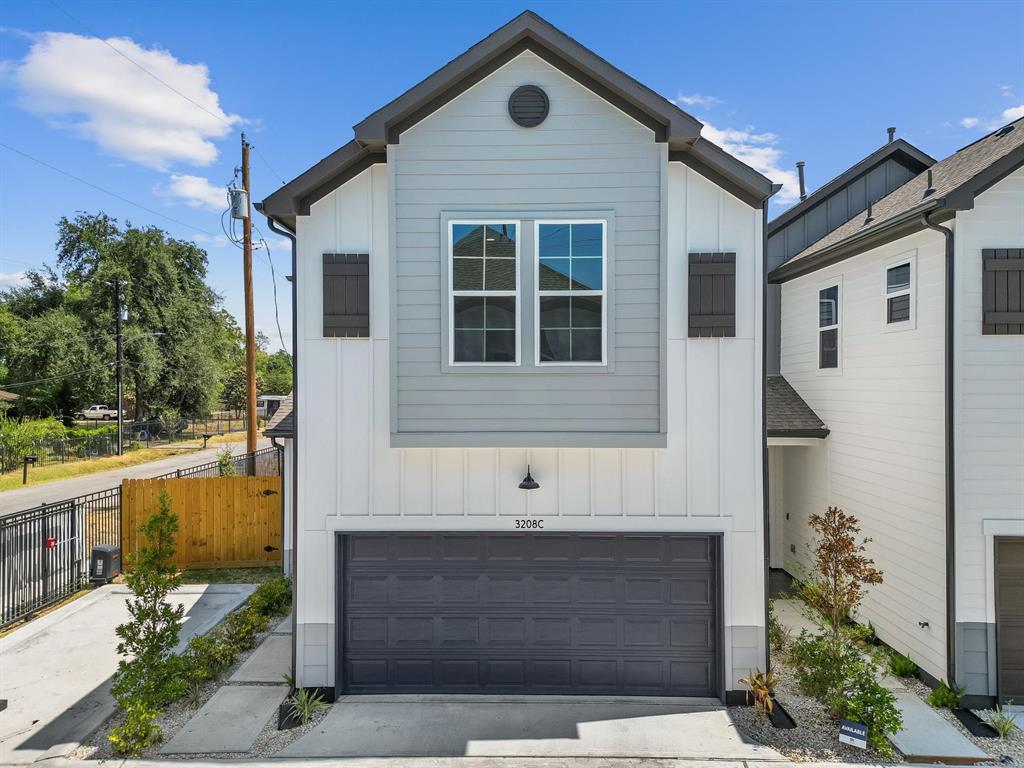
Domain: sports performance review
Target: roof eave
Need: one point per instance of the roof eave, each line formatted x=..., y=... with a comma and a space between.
x=525, y=31
x=905, y=224
x=721, y=168
x=821, y=433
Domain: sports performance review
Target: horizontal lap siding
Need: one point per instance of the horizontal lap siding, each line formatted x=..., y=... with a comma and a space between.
x=470, y=156
x=884, y=458
x=989, y=397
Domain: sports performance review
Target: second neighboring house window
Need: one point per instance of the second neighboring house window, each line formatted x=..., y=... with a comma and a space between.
x=828, y=327
x=898, y=298
x=571, y=292
x=484, y=292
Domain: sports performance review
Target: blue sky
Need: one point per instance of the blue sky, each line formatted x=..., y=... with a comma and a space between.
x=774, y=82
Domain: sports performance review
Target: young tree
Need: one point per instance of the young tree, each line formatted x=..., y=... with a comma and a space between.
x=147, y=678
x=843, y=570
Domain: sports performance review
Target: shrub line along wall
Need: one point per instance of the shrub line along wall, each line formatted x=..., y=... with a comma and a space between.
x=222, y=521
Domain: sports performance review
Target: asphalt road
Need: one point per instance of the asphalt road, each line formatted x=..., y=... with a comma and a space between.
x=33, y=496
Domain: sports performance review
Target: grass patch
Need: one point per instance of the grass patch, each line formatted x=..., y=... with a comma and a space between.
x=257, y=575
x=10, y=481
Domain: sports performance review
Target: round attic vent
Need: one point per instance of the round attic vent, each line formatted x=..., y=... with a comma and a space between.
x=528, y=106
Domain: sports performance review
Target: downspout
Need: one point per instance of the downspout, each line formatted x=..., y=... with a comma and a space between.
x=295, y=444
x=765, y=489
x=950, y=457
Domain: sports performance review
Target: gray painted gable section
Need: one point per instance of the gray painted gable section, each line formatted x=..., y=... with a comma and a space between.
x=841, y=199
x=527, y=32
x=505, y=172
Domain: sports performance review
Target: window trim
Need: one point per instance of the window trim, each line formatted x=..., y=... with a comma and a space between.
x=537, y=294
x=837, y=283
x=909, y=258
x=484, y=221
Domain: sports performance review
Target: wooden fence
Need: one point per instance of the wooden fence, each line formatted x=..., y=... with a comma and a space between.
x=222, y=521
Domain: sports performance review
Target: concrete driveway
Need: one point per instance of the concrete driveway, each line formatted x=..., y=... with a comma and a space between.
x=55, y=671
x=534, y=727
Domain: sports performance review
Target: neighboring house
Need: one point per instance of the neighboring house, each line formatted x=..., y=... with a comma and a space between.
x=282, y=427
x=528, y=412
x=902, y=343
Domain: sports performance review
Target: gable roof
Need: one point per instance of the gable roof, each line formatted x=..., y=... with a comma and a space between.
x=899, y=149
x=282, y=423
x=955, y=182
x=788, y=414
x=526, y=32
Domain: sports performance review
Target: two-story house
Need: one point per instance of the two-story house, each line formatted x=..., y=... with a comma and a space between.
x=528, y=418
x=901, y=290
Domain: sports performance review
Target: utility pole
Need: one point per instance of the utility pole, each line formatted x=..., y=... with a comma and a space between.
x=250, y=323
x=118, y=366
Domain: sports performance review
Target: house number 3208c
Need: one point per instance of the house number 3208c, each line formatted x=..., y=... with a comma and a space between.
x=521, y=523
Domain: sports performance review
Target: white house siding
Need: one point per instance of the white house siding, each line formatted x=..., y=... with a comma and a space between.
x=989, y=389
x=707, y=479
x=884, y=458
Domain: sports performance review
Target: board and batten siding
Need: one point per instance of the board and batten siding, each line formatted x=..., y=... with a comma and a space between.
x=884, y=458
x=470, y=157
x=707, y=479
x=989, y=424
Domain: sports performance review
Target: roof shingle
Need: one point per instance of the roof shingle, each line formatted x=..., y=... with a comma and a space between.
x=788, y=414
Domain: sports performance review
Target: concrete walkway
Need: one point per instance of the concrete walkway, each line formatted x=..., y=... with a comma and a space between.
x=536, y=727
x=58, y=490
x=55, y=671
x=926, y=735
x=467, y=762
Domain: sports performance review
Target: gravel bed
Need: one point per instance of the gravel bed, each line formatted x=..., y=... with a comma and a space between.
x=268, y=743
x=816, y=736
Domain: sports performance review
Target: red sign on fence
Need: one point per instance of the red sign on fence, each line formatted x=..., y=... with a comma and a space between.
x=51, y=542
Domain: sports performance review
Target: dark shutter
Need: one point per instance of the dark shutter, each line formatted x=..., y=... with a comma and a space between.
x=712, y=294
x=347, y=295
x=1003, y=291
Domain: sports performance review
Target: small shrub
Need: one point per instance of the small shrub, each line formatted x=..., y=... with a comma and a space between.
x=861, y=633
x=1003, y=722
x=819, y=670
x=306, y=703
x=272, y=597
x=760, y=687
x=226, y=463
x=195, y=695
x=863, y=700
x=209, y=655
x=138, y=731
x=901, y=666
x=946, y=697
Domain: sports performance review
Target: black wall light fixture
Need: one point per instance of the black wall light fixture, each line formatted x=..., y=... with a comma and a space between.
x=529, y=484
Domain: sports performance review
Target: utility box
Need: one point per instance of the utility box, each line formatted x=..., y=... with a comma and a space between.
x=105, y=563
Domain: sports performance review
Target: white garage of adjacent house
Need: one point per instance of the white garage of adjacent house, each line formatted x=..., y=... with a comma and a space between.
x=528, y=420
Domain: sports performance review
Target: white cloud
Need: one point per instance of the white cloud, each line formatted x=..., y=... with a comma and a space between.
x=761, y=152
x=82, y=84
x=1006, y=90
x=195, y=192
x=214, y=241
x=990, y=124
x=696, y=100
x=11, y=279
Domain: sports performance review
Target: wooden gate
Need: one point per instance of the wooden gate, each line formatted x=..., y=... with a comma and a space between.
x=222, y=521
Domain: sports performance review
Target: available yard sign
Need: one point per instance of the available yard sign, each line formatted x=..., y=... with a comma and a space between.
x=854, y=734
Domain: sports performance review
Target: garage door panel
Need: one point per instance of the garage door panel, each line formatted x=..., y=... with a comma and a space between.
x=605, y=613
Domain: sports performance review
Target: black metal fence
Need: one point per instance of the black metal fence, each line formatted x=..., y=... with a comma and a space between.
x=82, y=447
x=44, y=551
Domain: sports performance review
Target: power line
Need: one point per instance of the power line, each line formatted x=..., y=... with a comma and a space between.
x=122, y=198
x=17, y=384
x=128, y=58
x=267, y=163
x=273, y=282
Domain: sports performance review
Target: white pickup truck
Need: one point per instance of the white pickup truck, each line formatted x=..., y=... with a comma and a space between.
x=94, y=412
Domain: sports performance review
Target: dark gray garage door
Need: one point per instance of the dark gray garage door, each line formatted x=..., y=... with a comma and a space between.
x=536, y=613
x=1010, y=617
